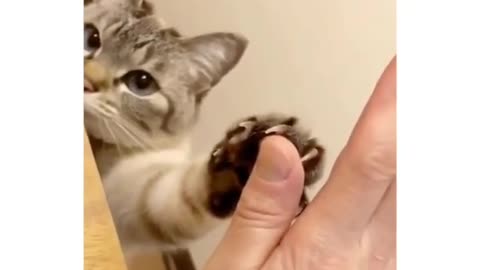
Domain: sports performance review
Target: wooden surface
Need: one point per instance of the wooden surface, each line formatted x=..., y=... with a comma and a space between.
x=101, y=246
x=149, y=261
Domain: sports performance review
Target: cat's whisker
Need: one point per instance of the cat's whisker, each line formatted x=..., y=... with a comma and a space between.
x=102, y=130
x=114, y=138
x=140, y=134
x=131, y=135
x=141, y=140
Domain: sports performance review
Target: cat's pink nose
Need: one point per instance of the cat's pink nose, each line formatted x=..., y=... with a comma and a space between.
x=88, y=86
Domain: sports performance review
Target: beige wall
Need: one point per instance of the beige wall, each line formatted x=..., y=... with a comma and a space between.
x=312, y=58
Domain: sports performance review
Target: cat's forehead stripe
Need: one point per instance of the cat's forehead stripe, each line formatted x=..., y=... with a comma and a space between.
x=116, y=26
x=142, y=43
x=149, y=52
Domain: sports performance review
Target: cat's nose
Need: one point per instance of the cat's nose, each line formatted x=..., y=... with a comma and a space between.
x=96, y=78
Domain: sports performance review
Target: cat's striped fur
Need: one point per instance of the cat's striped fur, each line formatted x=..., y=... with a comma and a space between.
x=157, y=194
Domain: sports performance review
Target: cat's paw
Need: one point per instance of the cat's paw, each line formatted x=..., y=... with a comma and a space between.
x=233, y=158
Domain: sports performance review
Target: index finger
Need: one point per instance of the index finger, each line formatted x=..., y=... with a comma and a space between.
x=363, y=171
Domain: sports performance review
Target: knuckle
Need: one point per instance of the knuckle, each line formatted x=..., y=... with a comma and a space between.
x=376, y=163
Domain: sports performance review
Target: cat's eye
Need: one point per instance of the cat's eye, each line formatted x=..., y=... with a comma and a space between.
x=140, y=82
x=91, y=38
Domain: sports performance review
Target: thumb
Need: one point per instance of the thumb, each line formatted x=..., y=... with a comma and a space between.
x=268, y=204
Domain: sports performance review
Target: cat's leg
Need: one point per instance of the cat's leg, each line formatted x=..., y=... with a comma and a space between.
x=159, y=201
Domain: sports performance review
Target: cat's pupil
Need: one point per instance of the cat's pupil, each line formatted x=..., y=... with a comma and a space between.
x=94, y=40
x=91, y=40
x=143, y=81
x=140, y=82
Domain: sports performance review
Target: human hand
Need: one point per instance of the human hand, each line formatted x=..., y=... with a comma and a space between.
x=350, y=224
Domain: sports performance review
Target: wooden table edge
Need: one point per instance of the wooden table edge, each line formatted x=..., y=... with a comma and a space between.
x=102, y=250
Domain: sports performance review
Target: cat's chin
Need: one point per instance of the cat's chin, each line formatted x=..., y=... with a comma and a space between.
x=94, y=132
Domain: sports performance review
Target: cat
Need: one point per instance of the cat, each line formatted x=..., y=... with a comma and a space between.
x=144, y=85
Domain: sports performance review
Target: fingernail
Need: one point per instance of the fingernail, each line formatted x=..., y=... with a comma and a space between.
x=274, y=162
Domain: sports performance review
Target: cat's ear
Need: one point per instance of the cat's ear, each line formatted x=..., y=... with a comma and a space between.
x=141, y=8
x=215, y=54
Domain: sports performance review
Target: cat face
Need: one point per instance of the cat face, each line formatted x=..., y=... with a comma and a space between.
x=144, y=83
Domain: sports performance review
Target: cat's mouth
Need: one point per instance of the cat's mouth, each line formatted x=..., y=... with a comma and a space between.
x=88, y=87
